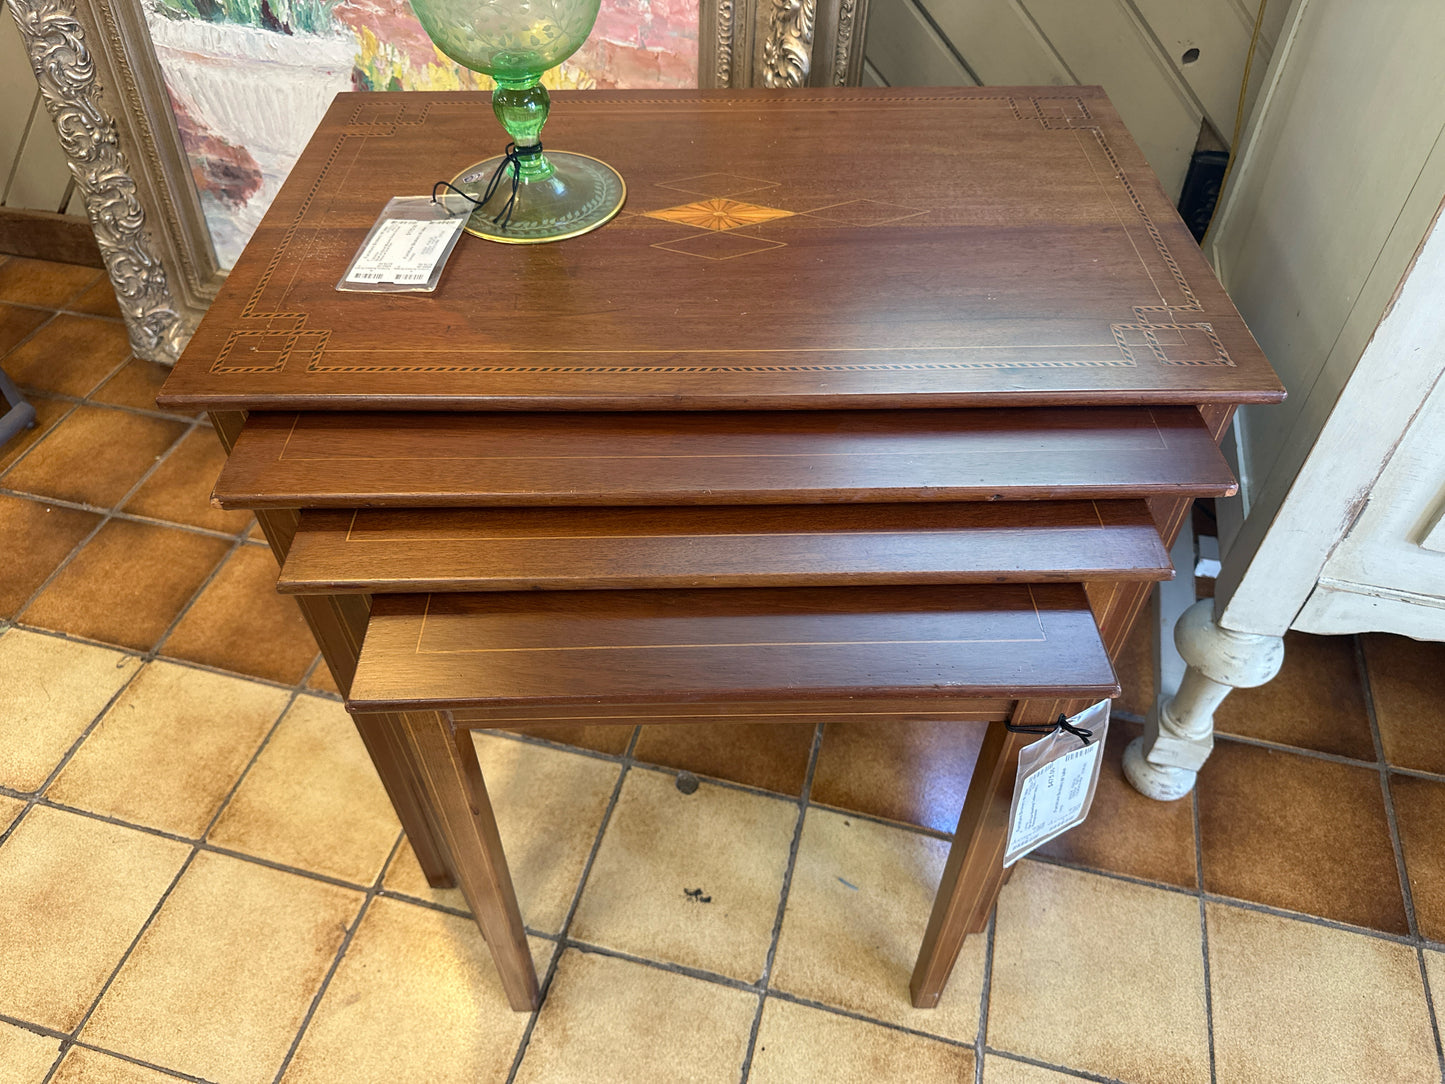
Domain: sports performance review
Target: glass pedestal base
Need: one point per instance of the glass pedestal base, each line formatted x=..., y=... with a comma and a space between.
x=581, y=195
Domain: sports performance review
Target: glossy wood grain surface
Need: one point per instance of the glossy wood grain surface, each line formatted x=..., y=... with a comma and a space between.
x=779, y=644
x=520, y=549
x=778, y=250
x=971, y=709
x=349, y=460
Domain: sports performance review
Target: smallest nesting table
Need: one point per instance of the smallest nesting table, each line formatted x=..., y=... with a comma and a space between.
x=454, y=663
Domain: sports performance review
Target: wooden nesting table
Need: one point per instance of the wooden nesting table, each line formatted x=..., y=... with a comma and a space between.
x=871, y=403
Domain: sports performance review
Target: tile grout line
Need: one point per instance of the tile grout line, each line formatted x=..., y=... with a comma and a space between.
x=546, y=983
x=75, y=401
x=63, y=311
x=347, y=938
x=849, y=1014
x=129, y=517
x=1388, y=797
x=767, y=976
x=61, y=1036
x=1434, y=1016
x=88, y=399
x=1228, y=901
x=197, y=846
x=1081, y=1074
x=36, y=797
x=185, y=865
x=201, y=844
x=105, y=517
x=154, y=656
x=175, y=1074
x=66, y=1044
x=31, y=334
x=235, y=547
x=715, y=979
x=1300, y=750
x=1204, y=935
x=35, y=1029
x=1402, y=871
x=1417, y=773
x=701, y=974
x=981, y=1035
x=1239, y=904
x=730, y=784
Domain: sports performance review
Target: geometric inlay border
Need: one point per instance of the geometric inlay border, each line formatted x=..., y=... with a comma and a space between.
x=269, y=351
x=1159, y=332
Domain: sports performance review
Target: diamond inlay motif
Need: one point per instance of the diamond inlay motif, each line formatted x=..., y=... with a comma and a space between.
x=865, y=212
x=720, y=245
x=719, y=214
x=717, y=184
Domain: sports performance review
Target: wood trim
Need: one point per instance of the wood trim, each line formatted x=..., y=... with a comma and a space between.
x=45, y=235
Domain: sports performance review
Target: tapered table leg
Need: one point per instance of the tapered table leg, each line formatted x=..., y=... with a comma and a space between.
x=974, y=872
x=457, y=798
x=338, y=624
x=391, y=756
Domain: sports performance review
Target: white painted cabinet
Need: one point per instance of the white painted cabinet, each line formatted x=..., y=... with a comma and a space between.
x=1331, y=241
x=1388, y=573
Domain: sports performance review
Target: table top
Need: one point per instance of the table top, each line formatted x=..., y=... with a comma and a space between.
x=843, y=248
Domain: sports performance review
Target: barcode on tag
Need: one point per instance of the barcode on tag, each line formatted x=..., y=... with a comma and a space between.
x=1053, y=797
x=403, y=251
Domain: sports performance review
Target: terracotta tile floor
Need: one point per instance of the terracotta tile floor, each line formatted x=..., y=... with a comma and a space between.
x=201, y=879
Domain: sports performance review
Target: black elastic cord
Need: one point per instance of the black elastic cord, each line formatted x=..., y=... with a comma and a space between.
x=512, y=158
x=1061, y=723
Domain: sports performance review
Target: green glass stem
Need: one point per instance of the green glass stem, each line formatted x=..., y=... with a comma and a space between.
x=521, y=107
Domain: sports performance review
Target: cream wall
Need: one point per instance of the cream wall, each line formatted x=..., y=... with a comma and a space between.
x=1135, y=49
x=33, y=174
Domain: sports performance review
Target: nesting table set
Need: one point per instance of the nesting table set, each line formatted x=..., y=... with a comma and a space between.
x=870, y=404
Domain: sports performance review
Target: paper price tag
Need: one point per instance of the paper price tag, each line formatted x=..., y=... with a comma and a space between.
x=402, y=251
x=406, y=248
x=1055, y=786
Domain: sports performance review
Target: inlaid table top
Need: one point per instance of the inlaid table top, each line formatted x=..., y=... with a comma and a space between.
x=778, y=250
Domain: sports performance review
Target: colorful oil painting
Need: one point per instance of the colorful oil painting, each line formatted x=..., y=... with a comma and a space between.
x=250, y=79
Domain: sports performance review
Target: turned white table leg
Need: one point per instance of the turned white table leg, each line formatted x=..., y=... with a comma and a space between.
x=1179, y=733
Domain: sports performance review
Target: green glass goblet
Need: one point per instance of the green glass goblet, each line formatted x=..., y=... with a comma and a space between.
x=525, y=196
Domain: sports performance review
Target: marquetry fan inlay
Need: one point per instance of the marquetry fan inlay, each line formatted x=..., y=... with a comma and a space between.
x=719, y=214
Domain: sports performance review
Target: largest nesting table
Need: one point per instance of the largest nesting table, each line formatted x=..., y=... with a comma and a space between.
x=883, y=403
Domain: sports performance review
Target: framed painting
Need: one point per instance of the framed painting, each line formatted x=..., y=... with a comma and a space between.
x=181, y=118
